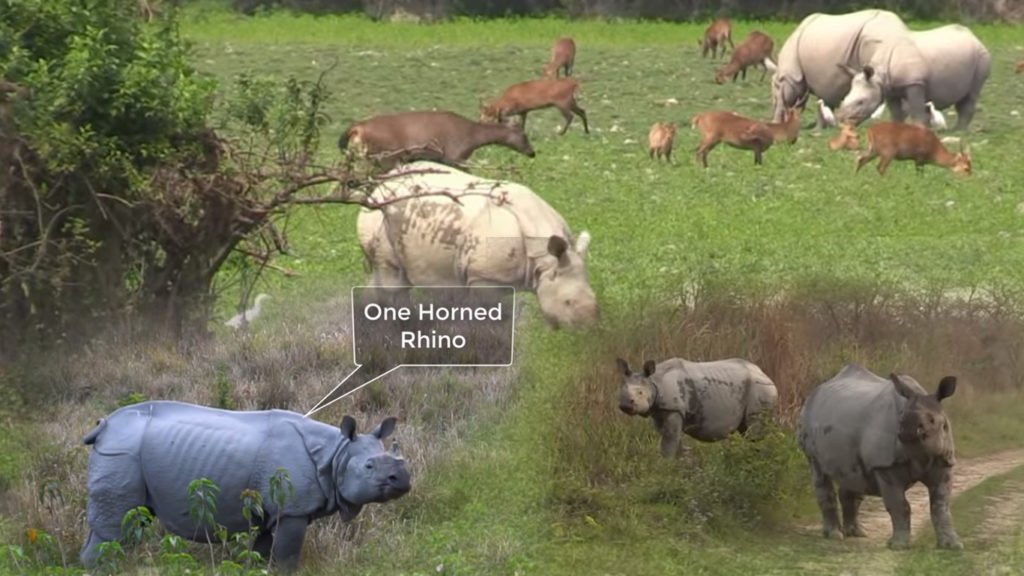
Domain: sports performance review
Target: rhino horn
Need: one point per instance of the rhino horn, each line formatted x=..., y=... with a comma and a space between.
x=623, y=366
x=348, y=427
x=385, y=428
x=557, y=246
x=947, y=386
x=582, y=243
x=649, y=367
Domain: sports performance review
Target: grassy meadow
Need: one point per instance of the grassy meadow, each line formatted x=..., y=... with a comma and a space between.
x=800, y=265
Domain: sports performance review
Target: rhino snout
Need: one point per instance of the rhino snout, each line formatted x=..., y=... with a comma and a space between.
x=397, y=480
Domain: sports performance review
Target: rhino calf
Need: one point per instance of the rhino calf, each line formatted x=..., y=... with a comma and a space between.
x=147, y=454
x=704, y=400
x=872, y=436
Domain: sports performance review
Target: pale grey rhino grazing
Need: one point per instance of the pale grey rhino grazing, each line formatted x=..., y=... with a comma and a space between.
x=147, y=454
x=957, y=65
x=874, y=436
x=822, y=54
x=707, y=401
x=498, y=233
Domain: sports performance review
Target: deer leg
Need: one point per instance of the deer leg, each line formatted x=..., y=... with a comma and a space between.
x=581, y=113
x=883, y=164
x=864, y=159
x=568, y=120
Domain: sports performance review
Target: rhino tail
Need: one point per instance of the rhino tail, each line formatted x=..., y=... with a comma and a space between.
x=91, y=437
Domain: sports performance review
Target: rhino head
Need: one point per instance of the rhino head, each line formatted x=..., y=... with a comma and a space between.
x=865, y=95
x=637, y=393
x=787, y=93
x=563, y=291
x=365, y=471
x=924, y=428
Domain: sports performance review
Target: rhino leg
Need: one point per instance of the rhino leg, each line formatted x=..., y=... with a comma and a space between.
x=826, y=495
x=850, y=502
x=965, y=111
x=915, y=99
x=942, y=520
x=895, y=498
x=115, y=486
x=286, y=543
x=671, y=430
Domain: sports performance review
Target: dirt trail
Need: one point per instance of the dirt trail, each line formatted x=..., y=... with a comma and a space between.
x=966, y=475
x=872, y=557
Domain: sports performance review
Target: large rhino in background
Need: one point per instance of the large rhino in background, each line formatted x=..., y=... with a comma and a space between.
x=874, y=436
x=821, y=56
x=147, y=454
x=958, y=66
x=707, y=401
x=498, y=233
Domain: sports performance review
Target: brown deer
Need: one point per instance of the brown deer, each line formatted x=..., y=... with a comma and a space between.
x=717, y=34
x=910, y=141
x=439, y=135
x=660, y=139
x=524, y=97
x=563, y=55
x=718, y=126
x=755, y=49
x=847, y=139
x=789, y=129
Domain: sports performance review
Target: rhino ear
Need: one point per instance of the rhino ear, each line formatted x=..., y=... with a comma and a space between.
x=947, y=386
x=868, y=72
x=557, y=246
x=348, y=427
x=385, y=428
x=649, y=367
x=623, y=366
x=901, y=387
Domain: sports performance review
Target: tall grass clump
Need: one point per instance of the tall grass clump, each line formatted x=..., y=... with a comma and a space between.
x=608, y=464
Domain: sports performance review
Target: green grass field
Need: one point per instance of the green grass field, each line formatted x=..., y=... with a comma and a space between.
x=556, y=481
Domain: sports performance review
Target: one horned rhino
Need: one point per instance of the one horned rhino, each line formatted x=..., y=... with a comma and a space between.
x=147, y=454
x=705, y=400
x=873, y=436
x=825, y=50
x=444, y=227
x=957, y=66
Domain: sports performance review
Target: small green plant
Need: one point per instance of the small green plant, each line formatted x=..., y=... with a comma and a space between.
x=222, y=389
x=111, y=557
x=281, y=491
x=202, y=498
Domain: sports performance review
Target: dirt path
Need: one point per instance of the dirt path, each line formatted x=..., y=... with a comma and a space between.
x=874, y=559
x=966, y=475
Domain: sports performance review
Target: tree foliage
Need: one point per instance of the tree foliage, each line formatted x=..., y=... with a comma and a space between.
x=118, y=203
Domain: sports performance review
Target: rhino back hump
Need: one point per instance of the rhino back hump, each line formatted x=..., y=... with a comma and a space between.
x=235, y=450
x=436, y=238
x=957, y=62
x=712, y=394
x=848, y=426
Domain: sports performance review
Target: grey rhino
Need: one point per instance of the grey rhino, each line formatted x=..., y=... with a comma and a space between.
x=957, y=64
x=147, y=454
x=821, y=56
x=878, y=437
x=704, y=400
x=495, y=233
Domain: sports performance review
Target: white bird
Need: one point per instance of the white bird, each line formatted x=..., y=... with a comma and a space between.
x=245, y=318
x=878, y=111
x=937, y=120
x=825, y=116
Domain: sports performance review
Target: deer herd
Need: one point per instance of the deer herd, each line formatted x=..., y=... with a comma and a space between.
x=450, y=138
